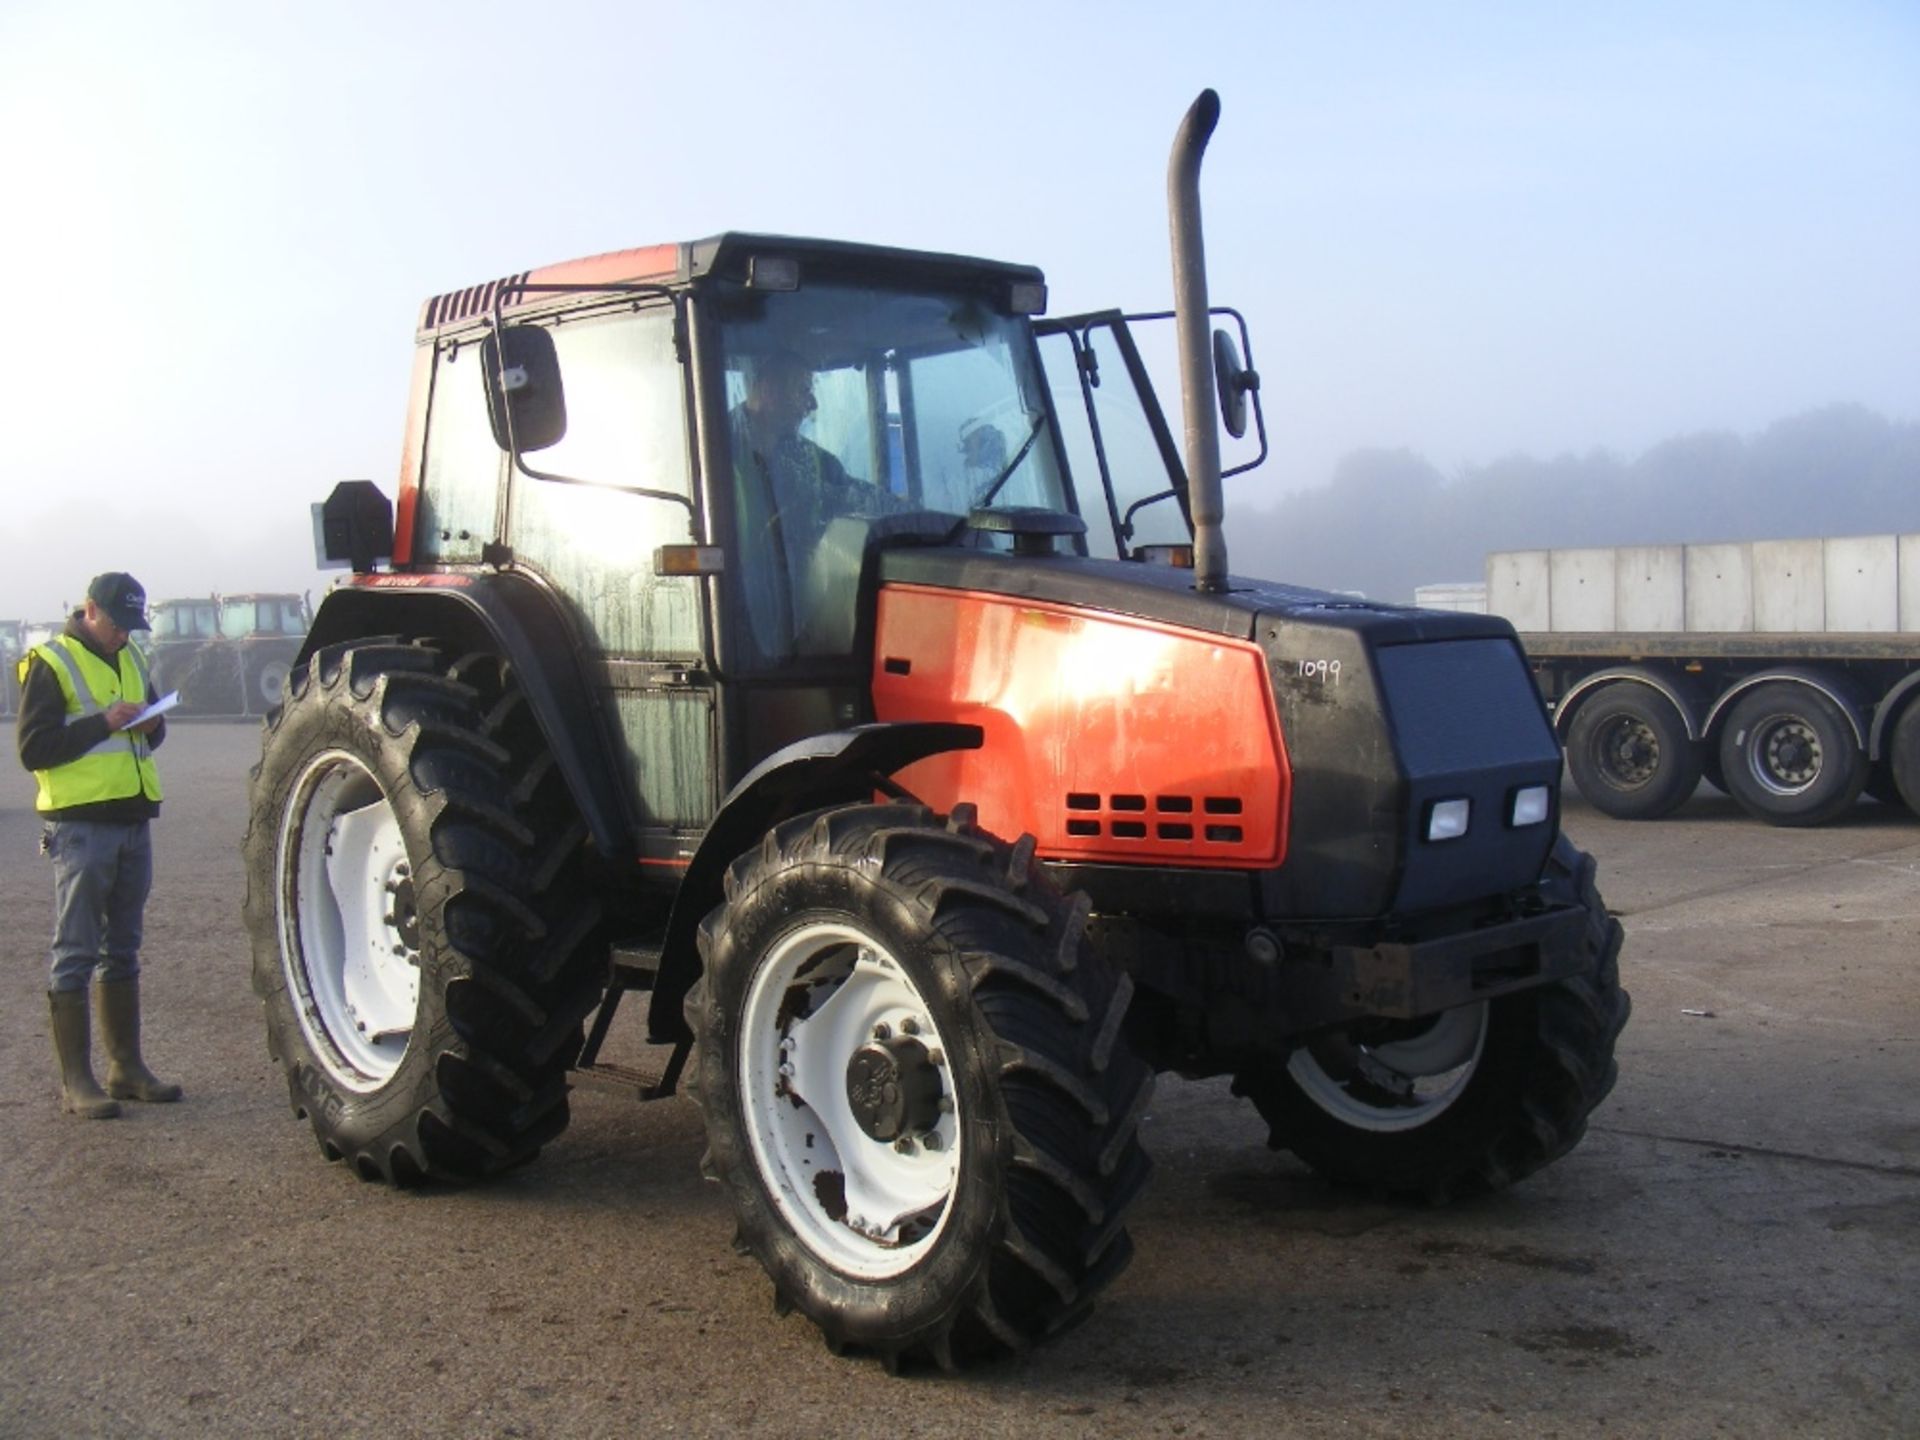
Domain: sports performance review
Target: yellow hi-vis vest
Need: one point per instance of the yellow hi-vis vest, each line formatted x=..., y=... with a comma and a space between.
x=120, y=766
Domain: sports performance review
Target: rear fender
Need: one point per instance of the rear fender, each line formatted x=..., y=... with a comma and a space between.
x=842, y=767
x=514, y=617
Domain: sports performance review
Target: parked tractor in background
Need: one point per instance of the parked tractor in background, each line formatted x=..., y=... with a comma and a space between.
x=181, y=631
x=11, y=649
x=227, y=654
x=935, y=787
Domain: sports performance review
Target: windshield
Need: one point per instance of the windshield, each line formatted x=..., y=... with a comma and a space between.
x=173, y=620
x=851, y=407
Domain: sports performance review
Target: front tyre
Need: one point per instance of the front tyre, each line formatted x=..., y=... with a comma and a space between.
x=419, y=940
x=1468, y=1101
x=915, y=1088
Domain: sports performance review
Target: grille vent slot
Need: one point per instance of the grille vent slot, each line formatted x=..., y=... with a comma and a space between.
x=1166, y=819
x=474, y=300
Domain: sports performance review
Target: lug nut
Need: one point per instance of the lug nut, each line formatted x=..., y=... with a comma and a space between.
x=909, y=1026
x=932, y=1140
x=883, y=1031
x=904, y=1145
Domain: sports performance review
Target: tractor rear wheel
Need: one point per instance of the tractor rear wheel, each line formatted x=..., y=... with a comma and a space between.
x=915, y=1087
x=421, y=938
x=1473, y=1099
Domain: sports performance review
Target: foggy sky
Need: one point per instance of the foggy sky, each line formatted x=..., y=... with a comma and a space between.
x=1466, y=231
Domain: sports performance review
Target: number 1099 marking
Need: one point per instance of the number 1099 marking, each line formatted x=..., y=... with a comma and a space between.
x=1327, y=670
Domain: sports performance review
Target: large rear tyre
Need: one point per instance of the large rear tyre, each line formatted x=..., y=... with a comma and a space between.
x=1789, y=755
x=915, y=1087
x=421, y=938
x=1630, y=755
x=1467, y=1101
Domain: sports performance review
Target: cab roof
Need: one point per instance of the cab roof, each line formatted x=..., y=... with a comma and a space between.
x=724, y=256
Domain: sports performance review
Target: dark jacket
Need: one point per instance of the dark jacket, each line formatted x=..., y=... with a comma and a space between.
x=46, y=739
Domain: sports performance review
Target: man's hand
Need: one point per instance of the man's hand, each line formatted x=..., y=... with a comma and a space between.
x=121, y=712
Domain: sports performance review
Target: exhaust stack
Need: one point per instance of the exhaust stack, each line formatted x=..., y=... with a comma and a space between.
x=1191, y=322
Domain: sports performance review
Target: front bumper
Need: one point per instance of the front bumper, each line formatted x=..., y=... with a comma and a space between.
x=1405, y=980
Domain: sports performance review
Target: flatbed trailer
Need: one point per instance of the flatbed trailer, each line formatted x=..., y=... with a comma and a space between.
x=1786, y=672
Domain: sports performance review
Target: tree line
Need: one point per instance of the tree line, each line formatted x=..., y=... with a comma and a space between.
x=1389, y=520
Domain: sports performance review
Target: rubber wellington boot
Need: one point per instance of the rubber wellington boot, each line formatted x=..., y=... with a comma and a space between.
x=80, y=1094
x=127, y=1075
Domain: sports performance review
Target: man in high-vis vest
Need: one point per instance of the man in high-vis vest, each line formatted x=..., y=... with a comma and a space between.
x=81, y=695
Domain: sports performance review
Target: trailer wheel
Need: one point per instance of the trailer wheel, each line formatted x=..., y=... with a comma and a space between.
x=1789, y=755
x=419, y=938
x=1905, y=751
x=1468, y=1101
x=1881, y=785
x=915, y=1087
x=1630, y=755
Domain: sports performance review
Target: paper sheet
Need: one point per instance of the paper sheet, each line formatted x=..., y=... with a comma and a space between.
x=159, y=707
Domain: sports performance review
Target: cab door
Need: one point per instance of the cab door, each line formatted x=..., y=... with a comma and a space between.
x=582, y=526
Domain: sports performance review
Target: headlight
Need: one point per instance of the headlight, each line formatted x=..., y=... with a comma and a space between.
x=1530, y=805
x=1447, y=820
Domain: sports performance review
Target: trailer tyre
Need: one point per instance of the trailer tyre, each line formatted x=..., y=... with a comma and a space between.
x=1789, y=755
x=1904, y=747
x=1474, y=1099
x=421, y=937
x=1630, y=755
x=915, y=1087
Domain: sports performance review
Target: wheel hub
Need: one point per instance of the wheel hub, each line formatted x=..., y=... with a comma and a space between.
x=893, y=1088
x=1630, y=754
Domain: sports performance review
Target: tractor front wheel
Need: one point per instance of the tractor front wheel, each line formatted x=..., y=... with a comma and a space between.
x=1467, y=1101
x=915, y=1087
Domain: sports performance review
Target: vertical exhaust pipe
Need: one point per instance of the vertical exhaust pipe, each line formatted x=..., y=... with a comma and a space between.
x=1191, y=322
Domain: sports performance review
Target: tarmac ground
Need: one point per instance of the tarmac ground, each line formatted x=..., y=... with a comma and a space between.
x=1733, y=1250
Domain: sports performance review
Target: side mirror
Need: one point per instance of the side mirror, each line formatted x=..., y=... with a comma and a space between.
x=1234, y=381
x=521, y=370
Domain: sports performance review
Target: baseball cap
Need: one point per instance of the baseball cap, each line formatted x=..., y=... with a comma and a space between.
x=122, y=597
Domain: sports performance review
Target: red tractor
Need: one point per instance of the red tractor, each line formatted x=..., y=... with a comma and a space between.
x=816, y=639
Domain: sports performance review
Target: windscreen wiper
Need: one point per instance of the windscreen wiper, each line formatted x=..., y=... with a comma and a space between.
x=1006, y=473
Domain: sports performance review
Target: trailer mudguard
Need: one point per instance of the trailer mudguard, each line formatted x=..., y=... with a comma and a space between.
x=1888, y=711
x=1835, y=687
x=1684, y=695
x=516, y=617
x=841, y=767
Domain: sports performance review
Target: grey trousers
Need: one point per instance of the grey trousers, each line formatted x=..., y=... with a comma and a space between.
x=101, y=876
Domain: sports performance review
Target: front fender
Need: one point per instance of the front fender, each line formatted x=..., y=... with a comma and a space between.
x=841, y=767
x=520, y=620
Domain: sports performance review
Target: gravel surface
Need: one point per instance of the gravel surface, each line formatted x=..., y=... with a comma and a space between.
x=1734, y=1249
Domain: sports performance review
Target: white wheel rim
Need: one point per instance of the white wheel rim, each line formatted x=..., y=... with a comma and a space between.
x=1435, y=1066
x=869, y=1208
x=349, y=937
x=272, y=678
